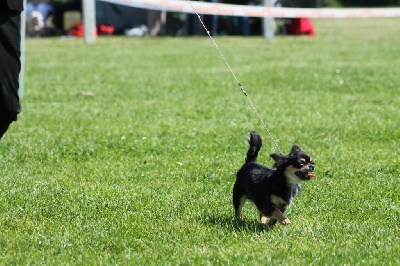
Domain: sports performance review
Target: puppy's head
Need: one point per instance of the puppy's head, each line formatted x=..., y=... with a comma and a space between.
x=297, y=165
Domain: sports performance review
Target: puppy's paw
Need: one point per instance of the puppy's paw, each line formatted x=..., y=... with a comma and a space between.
x=285, y=222
x=263, y=219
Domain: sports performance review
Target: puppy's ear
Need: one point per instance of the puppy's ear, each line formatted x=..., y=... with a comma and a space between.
x=295, y=148
x=278, y=158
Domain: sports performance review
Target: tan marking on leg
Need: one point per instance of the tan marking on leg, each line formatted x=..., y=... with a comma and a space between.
x=263, y=218
x=278, y=215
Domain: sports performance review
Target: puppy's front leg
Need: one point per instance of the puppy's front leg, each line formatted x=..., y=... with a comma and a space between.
x=278, y=215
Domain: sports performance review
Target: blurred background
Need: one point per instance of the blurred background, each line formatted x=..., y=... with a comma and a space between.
x=64, y=18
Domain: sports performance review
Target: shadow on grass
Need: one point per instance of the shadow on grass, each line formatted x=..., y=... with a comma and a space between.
x=233, y=224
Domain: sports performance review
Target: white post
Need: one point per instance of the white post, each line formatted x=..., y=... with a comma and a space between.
x=89, y=20
x=22, y=56
x=268, y=22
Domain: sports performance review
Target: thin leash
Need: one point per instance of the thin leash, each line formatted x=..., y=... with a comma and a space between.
x=236, y=79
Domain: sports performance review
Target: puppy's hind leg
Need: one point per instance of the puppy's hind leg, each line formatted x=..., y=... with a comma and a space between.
x=238, y=205
x=239, y=198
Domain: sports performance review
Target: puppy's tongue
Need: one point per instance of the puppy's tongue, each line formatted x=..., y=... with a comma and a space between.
x=311, y=175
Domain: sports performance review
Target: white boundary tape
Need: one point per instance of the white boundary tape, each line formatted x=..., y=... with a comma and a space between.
x=257, y=11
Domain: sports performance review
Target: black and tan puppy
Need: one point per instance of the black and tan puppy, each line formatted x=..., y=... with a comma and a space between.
x=271, y=190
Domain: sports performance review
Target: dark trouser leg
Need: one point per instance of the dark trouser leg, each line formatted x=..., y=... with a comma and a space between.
x=10, y=66
x=3, y=127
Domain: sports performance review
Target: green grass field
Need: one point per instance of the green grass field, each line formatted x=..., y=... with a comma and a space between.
x=126, y=151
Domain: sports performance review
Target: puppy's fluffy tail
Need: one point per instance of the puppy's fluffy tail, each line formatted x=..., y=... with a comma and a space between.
x=255, y=143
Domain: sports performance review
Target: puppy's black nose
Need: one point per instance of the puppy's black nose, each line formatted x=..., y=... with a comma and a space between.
x=311, y=167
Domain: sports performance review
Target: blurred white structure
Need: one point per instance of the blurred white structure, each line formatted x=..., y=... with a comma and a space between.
x=89, y=20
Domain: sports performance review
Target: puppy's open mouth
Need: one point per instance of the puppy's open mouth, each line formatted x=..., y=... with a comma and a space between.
x=304, y=175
